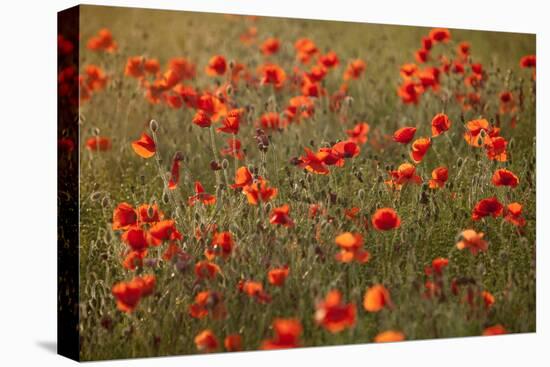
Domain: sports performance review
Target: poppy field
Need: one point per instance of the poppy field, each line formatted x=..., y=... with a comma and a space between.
x=251, y=183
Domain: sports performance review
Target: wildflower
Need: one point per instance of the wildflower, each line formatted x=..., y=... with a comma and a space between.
x=206, y=341
x=376, y=298
x=300, y=107
x=232, y=121
x=243, y=178
x=497, y=329
x=355, y=69
x=385, y=219
x=358, y=134
x=281, y=216
x=287, y=335
x=407, y=71
x=271, y=120
x=272, y=74
x=440, y=175
x=405, y=173
x=437, y=266
x=136, y=238
x=149, y=213
x=440, y=35
x=233, y=343
x=404, y=135
x=410, y=92
x=329, y=60
x=206, y=270
x=270, y=46
x=495, y=148
x=474, y=128
x=528, y=61
x=259, y=191
x=222, y=244
x=216, y=66
x=208, y=302
x=351, y=245
x=504, y=177
x=334, y=315
x=103, y=41
x=254, y=290
x=124, y=216
x=513, y=214
x=472, y=241
x=144, y=146
x=487, y=207
x=128, y=294
x=175, y=171
x=305, y=49
x=277, y=276
x=421, y=55
x=420, y=148
x=98, y=143
x=389, y=336
x=314, y=162
x=201, y=195
x=202, y=119
x=440, y=124
x=134, y=259
x=163, y=231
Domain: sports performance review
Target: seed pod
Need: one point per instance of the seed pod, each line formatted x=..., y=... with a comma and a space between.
x=153, y=125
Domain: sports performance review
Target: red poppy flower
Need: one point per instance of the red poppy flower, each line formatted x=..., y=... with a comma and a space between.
x=440, y=35
x=98, y=143
x=272, y=74
x=272, y=120
x=494, y=330
x=419, y=149
x=355, y=69
x=175, y=172
x=472, y=241
x=487, y=207
x=410, y=92
x=404, y=135
x=124, y=216
x=221, y=245
x=231, y=121
x=334, y=315
x=440, y=124
x=202, y=119
x=504, y=177
x=376, y=298
x=440, y=175
x=95, y=78
x=528, y=61
x=314, y=162
x=351, y=245
x=407, y=71
x=300, y=107
x=201, y=195
x=136, y=238
x=134, y=259
x=144, y=147
x=385, y=219
x=438, y=264
x=389, y=336
x=358, y=134
x=495, y=147
x=233, y=343
x=473, y=131
x=254, y=290
x=281, y=216
x=305, y=49
x=206, y=270
x=277, y=276
x=206, y=341
x=128, y=294
x=103, y=41
x=164, y=231
x=216, y=66
x=287, y=335
x=259, y=191
x=405, y=173
x=270, y=46
x=208, y=302
x=329, y=60
x=149, y=213
x=421, y=55
x=243, y=178
x=513, y=214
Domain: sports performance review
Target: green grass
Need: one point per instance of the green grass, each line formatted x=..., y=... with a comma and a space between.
x=431, y=221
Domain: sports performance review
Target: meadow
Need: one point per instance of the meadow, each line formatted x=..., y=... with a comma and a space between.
x=382, y=187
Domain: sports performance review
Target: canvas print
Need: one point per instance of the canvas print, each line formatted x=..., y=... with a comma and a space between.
x=239, y=183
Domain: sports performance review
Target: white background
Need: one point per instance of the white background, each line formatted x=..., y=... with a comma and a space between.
x=28, y=182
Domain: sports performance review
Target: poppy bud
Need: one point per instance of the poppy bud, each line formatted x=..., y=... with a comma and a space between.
x=153, y=125
x=225, y=164
x=215, y=166
x=165, y=198
x=105, y=202
x=229, y=90
x=95, y=196
x=95, y=131
x=231, y=64
x=178, y=156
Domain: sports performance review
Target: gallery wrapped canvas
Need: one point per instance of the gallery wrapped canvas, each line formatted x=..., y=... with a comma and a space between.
x=234, y=183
